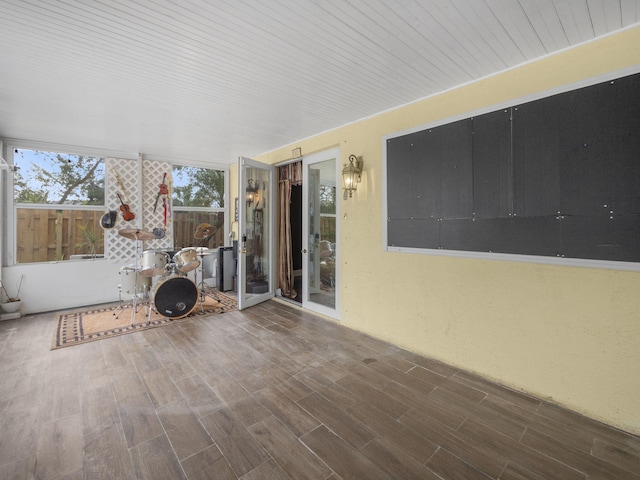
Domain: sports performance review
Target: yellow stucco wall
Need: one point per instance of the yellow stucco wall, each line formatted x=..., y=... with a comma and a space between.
x=567, y=334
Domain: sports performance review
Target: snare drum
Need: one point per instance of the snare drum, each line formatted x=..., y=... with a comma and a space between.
x=132, y=283
x=153, y=262
x=174, y=296
x=186, y=259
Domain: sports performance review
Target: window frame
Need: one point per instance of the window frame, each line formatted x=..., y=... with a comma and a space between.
x=10, y=234
x=11, y=218
x=188, y=209
x=8, y=206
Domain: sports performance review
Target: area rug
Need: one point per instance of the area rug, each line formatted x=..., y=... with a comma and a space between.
x=74, y=328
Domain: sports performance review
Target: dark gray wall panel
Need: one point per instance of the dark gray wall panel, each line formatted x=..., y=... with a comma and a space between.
x=413, y=177
x=453, y=145
x=416, y=233
x=492, y=167
x=525, y=236
x=559, y=176
x=536, y=148
x=531, y=236
x=601, y=237
x=599, y=161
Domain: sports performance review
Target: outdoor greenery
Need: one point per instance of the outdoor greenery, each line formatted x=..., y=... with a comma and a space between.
x=72, y=182
x=327, y=213
x=55, y=178
x=90, y=240
x=198, y=187
x=327, y=199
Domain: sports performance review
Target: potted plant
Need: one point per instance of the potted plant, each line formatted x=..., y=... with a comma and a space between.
x=12, y=304
x=89, y=242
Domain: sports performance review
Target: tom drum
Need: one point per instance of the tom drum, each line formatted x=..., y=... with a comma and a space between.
x=186, y=259
x=174, y=296
x=153, y=262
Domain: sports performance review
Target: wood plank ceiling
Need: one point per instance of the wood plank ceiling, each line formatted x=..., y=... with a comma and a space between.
x=204, y=81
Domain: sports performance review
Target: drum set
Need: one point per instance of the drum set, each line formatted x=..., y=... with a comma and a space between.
x=159, y=280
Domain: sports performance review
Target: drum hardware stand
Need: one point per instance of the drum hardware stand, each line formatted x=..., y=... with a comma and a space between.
x=120, y=306
x=203, y=232
x=133, y=304
x=137, y=235
x=149, y=314
x=204, y=290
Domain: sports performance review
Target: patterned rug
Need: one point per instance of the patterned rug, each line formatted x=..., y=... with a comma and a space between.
x=74, y=328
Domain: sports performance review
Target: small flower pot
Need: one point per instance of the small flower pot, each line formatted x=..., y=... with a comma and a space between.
x=11, y=307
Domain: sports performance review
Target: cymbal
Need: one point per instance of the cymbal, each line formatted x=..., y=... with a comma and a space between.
x=136, y=234
x=204, y=230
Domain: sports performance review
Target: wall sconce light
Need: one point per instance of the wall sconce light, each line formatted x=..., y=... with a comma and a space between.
x=351, y=175
x=252, y=191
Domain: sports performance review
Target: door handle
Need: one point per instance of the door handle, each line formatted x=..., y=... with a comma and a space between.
x=304, y=250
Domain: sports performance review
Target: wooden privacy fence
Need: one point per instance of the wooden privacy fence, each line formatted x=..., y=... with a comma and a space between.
x=186, y=223
x=328, y=228
x=45, y=235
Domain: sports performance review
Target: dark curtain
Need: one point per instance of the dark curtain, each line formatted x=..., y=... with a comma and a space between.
x=288, y=176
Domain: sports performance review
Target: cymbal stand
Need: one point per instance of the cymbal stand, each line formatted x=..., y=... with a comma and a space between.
x=120, y=306
x=204, y=290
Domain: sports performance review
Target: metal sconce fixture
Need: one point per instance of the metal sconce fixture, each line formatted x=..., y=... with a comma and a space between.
x=252, y=191
x=351, y=175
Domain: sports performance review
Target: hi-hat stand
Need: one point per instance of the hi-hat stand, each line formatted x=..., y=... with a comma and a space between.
x=204, y=290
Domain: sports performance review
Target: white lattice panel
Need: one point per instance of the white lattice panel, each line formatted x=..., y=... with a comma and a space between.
x=137, y=181
x=152, y=176
x=122, y=178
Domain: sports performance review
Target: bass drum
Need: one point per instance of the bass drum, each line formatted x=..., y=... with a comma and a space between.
x=174, y=296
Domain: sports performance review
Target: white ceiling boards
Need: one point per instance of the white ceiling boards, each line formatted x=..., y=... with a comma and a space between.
x=211, y=80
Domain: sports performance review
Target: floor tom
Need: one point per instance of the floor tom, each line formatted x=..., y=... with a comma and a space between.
x=133, y=283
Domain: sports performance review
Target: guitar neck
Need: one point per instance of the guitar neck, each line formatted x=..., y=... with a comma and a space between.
x=120, y=184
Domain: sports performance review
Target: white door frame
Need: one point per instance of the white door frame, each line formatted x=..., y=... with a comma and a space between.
x=249, y=299
x=307, y=161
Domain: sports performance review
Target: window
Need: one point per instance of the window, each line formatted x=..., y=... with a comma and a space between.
x=59, y=201
x=328, y=213
x=198, y=207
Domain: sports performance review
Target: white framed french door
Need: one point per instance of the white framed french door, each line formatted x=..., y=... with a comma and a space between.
x=320, y=232
x=256, y=249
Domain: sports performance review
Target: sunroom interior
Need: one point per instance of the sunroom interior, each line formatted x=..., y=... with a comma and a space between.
x=150, y=89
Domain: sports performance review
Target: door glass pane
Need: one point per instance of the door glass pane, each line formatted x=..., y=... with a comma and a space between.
x=321, y=269
x=257, y=231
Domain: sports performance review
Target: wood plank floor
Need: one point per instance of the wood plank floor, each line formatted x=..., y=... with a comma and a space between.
x=274, y=392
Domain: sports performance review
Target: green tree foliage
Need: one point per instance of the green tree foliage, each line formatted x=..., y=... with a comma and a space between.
x=56, y=178
x=198, y=187
x=327, y=199
x=24, y=194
